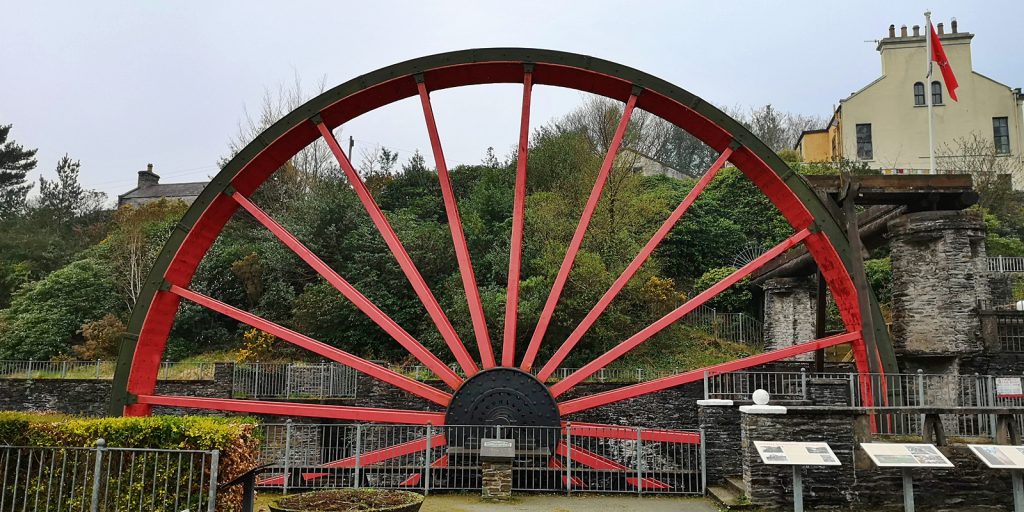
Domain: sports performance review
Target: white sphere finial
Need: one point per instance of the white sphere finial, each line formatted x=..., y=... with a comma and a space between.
x=761, y=397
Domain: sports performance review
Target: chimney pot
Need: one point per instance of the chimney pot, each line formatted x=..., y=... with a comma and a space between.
x=917, y=30
x=903, y=31
x=952, y=25
x=941, y=30
x=892, y=30
x=149, y=167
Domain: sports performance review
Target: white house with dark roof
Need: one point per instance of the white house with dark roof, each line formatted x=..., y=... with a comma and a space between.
x=150, y=189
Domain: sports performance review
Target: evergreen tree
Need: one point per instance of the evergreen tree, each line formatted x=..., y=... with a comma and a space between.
x=15, y=163
x=64, y=197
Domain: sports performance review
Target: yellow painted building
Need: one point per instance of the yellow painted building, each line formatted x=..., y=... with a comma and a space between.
x=885, y=124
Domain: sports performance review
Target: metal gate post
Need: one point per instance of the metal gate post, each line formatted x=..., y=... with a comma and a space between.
x=427, y=455
x=211, y=502
x=288, y=380
x=357, y=480
x=639, y=462
x=803, y=383
x=287, y=453
x=707, y=385
x=94, y=500
x=703, y=466
x=568, y=458
x=920, y=394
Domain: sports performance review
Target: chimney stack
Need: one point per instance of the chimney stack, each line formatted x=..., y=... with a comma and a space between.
x=941, y=30
x=148, y=178
x=892, y=30
x=952, y=25
x=917, y=30
x=903, y=31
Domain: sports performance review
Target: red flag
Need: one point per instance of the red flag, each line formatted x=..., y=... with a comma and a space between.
x=939, y=56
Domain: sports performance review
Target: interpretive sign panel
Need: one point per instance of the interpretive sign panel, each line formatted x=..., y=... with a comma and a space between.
x=1009, y=387
x=899, y=455
x=998, y=456
x=796, y=454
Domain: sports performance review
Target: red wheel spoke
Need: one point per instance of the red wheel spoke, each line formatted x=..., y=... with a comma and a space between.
x=635, y=390
x=444, y=325
x=338, y=412
x=577, y=237
x=376, y=371
x=646, y=333
x=515, y=253
x=632, y=269
x=603, y=431
x=364, y=304
x=476, y=307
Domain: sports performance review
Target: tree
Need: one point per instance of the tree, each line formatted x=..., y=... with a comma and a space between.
x=46, y=317
x=135, y=239
x=102, y=338
x=993, y=174
x=15, y=163
x=778, y=130
x=734, y=299
x=64, y=198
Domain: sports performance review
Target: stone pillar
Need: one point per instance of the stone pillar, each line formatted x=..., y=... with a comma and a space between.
x=789, y=307
x=939, y=273
x=720, y=424
x=497, y=481
x=824, y=486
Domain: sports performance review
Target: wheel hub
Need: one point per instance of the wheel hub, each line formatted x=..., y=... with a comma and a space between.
x=503, y=396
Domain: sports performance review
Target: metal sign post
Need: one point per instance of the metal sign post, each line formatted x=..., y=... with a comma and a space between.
x=908, y=490
x=1010, y=457
x=1018, y=491
x=798, y=490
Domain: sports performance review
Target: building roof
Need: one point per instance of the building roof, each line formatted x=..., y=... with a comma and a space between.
x=166, y=190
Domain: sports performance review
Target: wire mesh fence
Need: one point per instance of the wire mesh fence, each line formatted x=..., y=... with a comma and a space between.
x=98, y=370
x=294, y=380
x=574, y=458
x=106, y=479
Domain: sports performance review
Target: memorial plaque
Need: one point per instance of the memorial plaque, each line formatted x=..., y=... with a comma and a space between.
x=1009, y=387
x=899, y=455
x=789, y=453
x=497, y=450
x=998, y=456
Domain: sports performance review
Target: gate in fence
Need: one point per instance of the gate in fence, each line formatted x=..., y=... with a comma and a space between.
x=107, y=479
x=578, y=457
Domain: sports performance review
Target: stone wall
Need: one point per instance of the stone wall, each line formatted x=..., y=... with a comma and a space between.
x=857, y=484
x=720, y=420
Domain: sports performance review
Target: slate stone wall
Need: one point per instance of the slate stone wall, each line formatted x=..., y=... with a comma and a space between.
x=721, y=426
x=789, y=306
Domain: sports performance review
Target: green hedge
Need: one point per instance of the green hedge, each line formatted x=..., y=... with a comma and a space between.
x=237, y=438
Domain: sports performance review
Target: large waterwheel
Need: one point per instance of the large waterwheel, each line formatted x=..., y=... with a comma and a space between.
x=505, y=384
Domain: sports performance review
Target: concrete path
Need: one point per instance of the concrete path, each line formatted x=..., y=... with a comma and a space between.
x=557, y=503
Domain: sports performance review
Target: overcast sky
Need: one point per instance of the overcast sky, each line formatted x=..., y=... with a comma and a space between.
x=121, y=84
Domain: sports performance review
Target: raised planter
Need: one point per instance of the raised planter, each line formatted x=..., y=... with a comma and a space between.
x=345, y=500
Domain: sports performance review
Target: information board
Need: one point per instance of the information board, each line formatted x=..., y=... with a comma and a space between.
x=1009, y=387
x=998, y=456
x=796, y=454
x=899, y=455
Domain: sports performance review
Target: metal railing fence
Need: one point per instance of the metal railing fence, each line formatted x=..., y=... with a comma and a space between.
x=575, y=458
x=1006, y=263
x=1010, y=332
x=98, y=370
x=908, y=390
x=294, y=380
x=107, y=479
x=737, y=327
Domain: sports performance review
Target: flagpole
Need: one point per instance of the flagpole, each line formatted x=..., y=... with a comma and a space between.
x=928, y=90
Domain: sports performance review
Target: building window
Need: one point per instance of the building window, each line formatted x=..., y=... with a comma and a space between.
x=864, y=149
x=1001, y=135
x=936, y=93
x=918, y=94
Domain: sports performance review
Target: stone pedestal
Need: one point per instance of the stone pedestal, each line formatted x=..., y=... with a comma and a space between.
x=939, y=275
x=789, y=307
x=834, y=392
x=720, y=424
x=497, y=481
